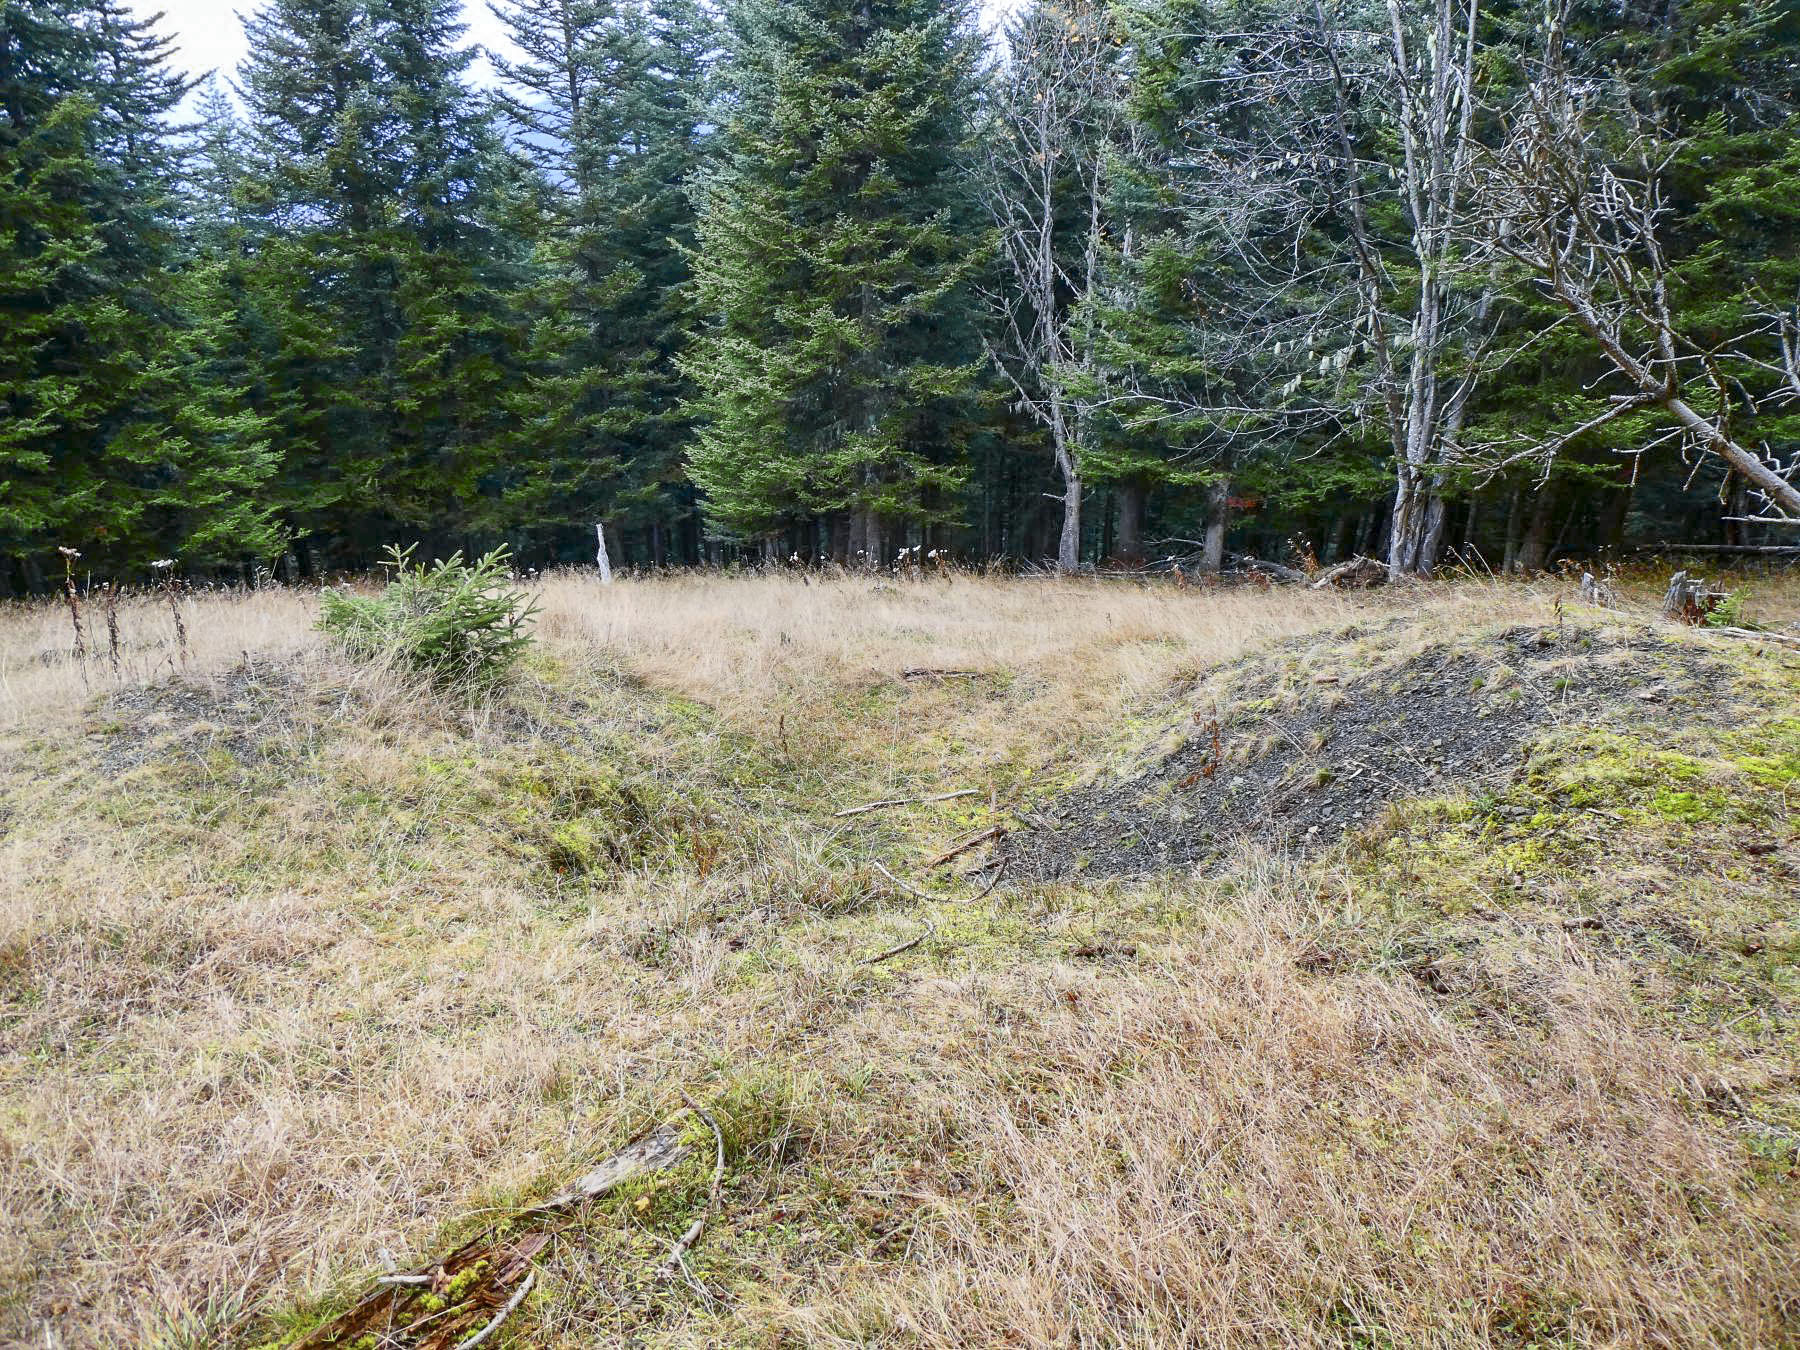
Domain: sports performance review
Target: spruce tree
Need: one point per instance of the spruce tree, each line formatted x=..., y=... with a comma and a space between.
x=833, y=266
x=607, y=106
x=118, y=433
x=384, y=275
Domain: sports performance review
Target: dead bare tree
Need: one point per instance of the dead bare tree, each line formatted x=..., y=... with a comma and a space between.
x=1057, y=112
x=1357, y=301
x=1575, y=195
x=1432, y=56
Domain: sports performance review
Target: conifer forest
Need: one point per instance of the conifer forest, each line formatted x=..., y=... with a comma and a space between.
x=1436, y=282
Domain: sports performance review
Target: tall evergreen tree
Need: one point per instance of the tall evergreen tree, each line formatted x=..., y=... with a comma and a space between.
x=118, y=433
x=835, y=252
x=383, y=274
x=607, y=103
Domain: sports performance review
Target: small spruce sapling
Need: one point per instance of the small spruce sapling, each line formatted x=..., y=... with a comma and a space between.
x=458, y=622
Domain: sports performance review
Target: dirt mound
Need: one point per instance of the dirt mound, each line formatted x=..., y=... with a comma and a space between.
x=1311, y=740
x=240, y=710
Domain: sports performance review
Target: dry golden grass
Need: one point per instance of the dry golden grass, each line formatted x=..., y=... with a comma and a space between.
x=304, y=969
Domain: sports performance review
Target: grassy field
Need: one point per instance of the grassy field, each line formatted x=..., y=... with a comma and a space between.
x=309, y=972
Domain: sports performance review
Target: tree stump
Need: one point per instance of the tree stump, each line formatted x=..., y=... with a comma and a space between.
x=1688, y=599
x=1597, y=592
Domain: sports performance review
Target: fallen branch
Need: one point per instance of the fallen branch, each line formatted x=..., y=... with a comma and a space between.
x=872, y=806
x=504, y=1313
x=1714, y=548
x=912, y=890
x=1352, y=572
x=1783, y=639
x=992, y=832
x=660, y=1148
x=925, y=673
x=904, y=801
x=905, y=886
x=897, y=948
x=993, y=881
x=695, y=1229
x=1291, y=575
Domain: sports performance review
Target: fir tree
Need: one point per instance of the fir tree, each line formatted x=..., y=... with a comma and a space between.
x=119, y=435
x=383, y=274
x=607, y=107
x=835, y=251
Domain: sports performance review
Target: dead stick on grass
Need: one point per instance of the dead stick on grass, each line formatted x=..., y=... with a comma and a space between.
x=1756, y=635
x=993, y=881
x=879, y=957
x=675, y=1264
x=905, y=886
x=499, y=1317
x=993, y=832
x=903, y=801
x=912, y=890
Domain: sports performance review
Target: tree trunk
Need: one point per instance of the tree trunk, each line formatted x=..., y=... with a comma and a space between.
x=1068, y=544
x=600, y=557
x=1218, y=517
x=1509, y=546
x=1615, y=509
x=1534, y=548
x=1374, y=529
x=1737, y=503
x=1339, y=539
x=1417, y=528
x=856, y=543
x=872, y=541
x=1128, y=541
x=1431, y=548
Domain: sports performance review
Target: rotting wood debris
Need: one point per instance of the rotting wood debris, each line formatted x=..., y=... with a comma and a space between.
x=460, y=1301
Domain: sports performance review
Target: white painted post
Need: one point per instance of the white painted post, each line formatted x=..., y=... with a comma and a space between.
x=602, y=559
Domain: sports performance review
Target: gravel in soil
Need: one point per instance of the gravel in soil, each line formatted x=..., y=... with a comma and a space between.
x=1301, y=765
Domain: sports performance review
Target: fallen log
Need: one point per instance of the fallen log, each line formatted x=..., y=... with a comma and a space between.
x=1678, y=549
x=1756, y=634
x=1292, y=575
x=512, y=1305
x=484, y=1281
x=1357, y=573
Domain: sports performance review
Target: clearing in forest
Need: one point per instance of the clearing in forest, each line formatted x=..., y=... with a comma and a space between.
x=1260, y=967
